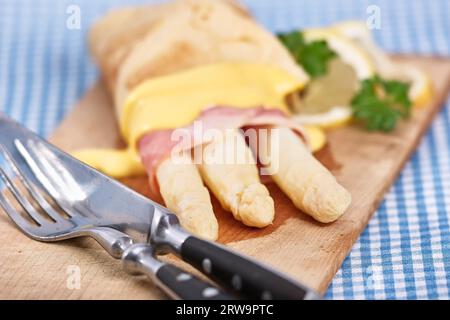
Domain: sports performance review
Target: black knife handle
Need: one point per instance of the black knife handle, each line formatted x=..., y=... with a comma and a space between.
x=175, y=282
x=182, y=285
x=242, y=275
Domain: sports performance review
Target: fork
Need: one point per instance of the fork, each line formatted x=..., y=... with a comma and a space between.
x=93, y=199
x=50, y=224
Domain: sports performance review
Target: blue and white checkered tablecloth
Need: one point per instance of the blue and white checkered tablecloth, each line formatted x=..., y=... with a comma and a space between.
x=404, y=253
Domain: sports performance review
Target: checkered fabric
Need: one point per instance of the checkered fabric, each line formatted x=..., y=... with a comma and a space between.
x=404, y=253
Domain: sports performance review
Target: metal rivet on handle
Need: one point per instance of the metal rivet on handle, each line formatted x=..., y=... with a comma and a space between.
x=266, y=295
x=206, y=264
x=210, y=292
x=184, y=277
x=236, y=282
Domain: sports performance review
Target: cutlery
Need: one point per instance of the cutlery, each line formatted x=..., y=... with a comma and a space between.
x=47, y=224
x=104, y=202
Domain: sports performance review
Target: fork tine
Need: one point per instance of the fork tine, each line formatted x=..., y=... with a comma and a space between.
x=19, y=221
x=21, y=199
x=55, y=216
x=47, y=176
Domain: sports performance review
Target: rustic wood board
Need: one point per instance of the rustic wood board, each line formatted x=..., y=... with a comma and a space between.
x=365, y=163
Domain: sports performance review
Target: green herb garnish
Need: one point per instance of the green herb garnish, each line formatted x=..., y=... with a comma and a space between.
x=312, y=56
x=379, y=103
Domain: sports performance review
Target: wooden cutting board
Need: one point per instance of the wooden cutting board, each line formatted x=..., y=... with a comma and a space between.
x=365, y=163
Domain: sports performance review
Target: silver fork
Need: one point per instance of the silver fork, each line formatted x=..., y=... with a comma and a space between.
x=92, y=200
x=47, y=223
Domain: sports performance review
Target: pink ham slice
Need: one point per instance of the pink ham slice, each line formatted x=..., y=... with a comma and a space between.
x=156, y=146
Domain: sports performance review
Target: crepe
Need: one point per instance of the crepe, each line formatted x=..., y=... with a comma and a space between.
x=132, y=46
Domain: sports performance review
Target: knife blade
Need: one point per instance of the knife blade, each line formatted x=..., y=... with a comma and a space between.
x=107, y=203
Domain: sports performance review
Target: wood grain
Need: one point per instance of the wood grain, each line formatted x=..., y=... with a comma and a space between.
x=365, y=163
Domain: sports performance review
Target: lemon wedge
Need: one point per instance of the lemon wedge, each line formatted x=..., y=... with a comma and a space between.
x=325, y=101
x=346, y=50
x=421, y=89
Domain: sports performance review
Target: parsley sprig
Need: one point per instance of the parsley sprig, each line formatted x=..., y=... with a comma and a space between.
x=312, y=56
x=379, y=104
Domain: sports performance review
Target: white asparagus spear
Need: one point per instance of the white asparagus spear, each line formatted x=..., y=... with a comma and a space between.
x=183, y=192
x=310, y=186
x=228, y=168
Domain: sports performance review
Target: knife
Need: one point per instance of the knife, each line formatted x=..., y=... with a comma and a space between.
x=111, y=204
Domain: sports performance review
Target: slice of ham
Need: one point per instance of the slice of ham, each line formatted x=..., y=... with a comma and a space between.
x=156, y=146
